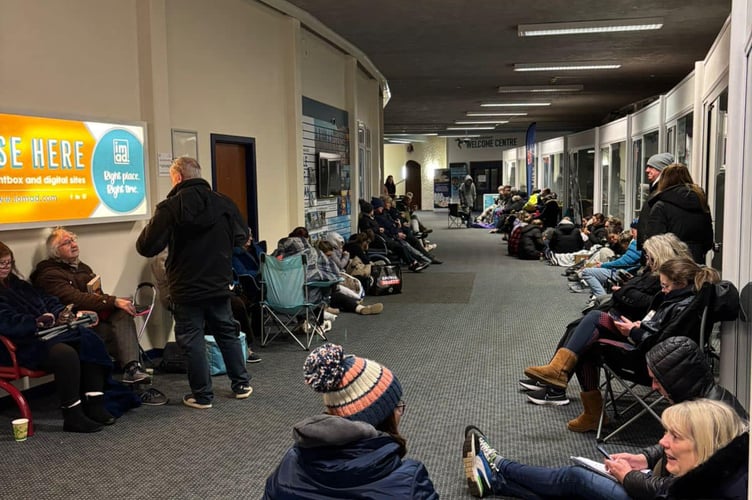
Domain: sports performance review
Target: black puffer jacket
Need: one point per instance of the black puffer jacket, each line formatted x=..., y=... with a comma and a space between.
x=668, y=314
x=201, y=228
x=531, y=242
x=634, y=298
x=681, y=368
x=678, y=210
x=598, y=236
x=566, y=238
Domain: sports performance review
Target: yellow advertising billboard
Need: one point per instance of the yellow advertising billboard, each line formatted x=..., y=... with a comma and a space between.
x=57, y=171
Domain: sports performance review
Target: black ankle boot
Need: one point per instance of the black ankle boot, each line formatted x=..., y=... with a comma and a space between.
x=74, y=420
x=95, y=410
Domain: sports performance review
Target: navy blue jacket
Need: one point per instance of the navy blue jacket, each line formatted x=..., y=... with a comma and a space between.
x=338, y=458
x=20, y=305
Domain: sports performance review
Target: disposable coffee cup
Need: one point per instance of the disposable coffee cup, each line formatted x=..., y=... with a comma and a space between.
x=20, y=429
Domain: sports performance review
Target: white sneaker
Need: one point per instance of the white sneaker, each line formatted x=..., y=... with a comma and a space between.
x=329, y=316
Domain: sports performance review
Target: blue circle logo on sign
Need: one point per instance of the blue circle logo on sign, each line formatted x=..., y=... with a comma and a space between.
x=118, y=170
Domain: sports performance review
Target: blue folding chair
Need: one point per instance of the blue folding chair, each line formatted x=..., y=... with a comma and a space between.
x=285, y=304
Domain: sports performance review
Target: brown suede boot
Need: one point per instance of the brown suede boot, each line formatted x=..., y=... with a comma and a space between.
x=557, y=371
x=592, y=402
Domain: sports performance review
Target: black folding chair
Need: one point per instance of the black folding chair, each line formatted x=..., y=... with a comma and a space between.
x=625, y=363
x=455, y=218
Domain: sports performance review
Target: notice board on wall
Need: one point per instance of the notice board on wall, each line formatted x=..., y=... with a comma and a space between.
x=55, y=171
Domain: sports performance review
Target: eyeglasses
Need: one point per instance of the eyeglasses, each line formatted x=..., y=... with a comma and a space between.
x=68, y=241
x=401, y=407
x=7, y=263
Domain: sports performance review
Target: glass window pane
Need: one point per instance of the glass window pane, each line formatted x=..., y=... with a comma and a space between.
x=639, y=176
x=605, y=178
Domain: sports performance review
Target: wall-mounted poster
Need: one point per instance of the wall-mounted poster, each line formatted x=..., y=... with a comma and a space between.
x=70, y=172
x=441, y=191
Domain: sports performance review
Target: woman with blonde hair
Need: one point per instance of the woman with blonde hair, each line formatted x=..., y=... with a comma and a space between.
x=679, y=206
x=704, y=454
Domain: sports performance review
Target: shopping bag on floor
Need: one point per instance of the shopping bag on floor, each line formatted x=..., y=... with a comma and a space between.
x=214, y=354
x=387, y=279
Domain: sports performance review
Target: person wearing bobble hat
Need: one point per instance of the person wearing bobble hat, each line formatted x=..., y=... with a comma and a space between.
x=354, y=449
x=653, y=169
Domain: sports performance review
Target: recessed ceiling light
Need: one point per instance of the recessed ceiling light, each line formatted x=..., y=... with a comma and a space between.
x=481, y=122
x=574, y=66
x=470, y=128
x=515, y=89
x=502, y=113
x=589, y=27
x=513, y=104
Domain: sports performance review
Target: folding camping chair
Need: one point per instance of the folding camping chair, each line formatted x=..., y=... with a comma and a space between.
x=144, y=299
x=455, y=218
x=625, y=363
x=285, y=304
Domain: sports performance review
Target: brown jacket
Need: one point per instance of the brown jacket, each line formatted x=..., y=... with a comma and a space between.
x=68, y=284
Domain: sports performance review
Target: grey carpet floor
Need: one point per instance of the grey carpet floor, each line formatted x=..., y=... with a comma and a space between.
x=458, y=338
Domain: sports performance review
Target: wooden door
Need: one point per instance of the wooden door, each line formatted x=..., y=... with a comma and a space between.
x=234, y=174
x=412, y=181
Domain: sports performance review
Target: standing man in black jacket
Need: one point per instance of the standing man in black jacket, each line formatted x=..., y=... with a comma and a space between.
x=200, y=227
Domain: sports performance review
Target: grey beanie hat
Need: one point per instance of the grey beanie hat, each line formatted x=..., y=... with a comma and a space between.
x=660, y=161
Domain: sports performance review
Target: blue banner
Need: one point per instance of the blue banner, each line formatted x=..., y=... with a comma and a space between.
x=530, y=156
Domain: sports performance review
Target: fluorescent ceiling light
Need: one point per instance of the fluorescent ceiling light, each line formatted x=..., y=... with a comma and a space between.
x=513, y=104
x=589, y=27
x=481, y=122
x=575, y=66
x=399, y=141
x=514, y=89
x=470, y=128
x=480, y=113
x=461, y=135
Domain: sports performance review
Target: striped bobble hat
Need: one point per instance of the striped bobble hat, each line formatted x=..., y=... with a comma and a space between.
x=354, y=388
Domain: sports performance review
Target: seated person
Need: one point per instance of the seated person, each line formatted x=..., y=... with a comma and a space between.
x=632, y=301
x=595, y=231
x=549, y=215
x=320, y=268
x=66, y=277
x=415, y=223
x=77, y=358
x=566, y=238
x=400, y=230
x=518, y=222
x=359, y=434
x=531, y=241
x=597, y=275
x=704, y=454
x=367, y=221
x=680, y=280
x=339, y=255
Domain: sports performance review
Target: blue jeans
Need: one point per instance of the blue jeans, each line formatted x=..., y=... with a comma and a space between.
x=532, y=483
x=596, y=278
x=216, y=315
